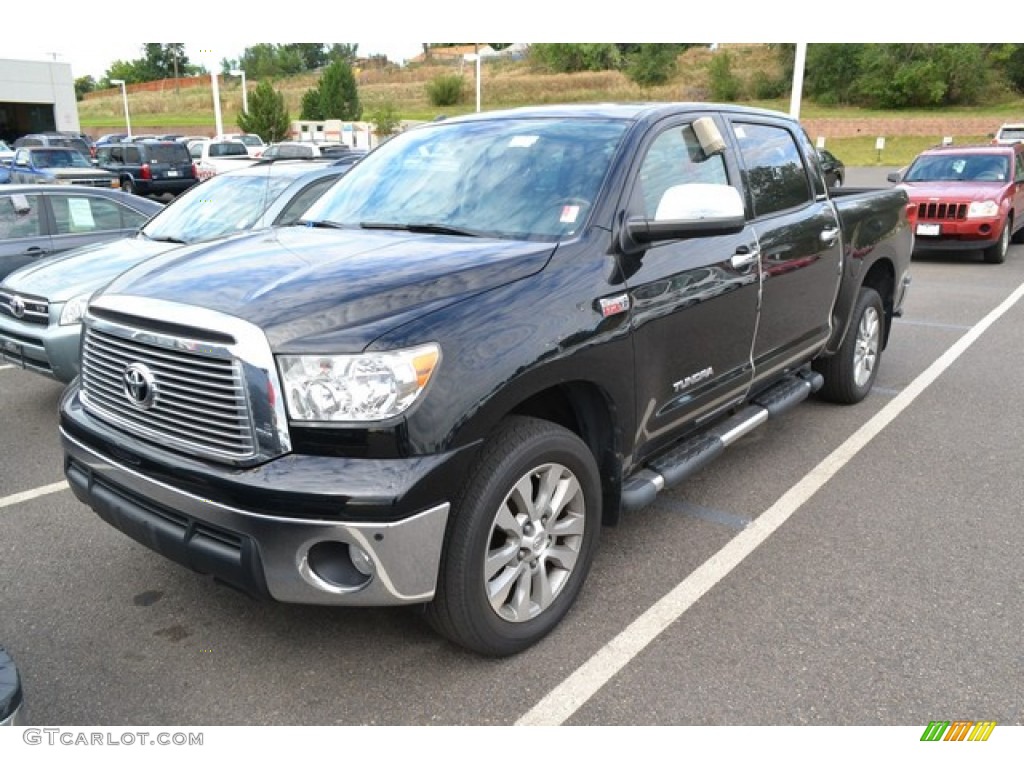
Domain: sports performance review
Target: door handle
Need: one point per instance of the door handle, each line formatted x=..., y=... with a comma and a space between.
x=829, y=236
x=744, y=257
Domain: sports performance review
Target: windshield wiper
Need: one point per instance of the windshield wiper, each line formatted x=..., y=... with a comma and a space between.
x=175, y=240
x=436, y=229
x=319, y=224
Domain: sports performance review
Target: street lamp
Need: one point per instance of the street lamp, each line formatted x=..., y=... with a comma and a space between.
x=475, y=57
x=245, y=99
x=218, y=123
x=124, y=95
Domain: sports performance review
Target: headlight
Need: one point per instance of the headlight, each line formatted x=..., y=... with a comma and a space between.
x=984, y=209
x=366, y=387
x=74, y=309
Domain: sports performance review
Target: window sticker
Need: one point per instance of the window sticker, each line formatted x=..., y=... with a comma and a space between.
x=740, y=133
x=569, y=214
x=80, y=212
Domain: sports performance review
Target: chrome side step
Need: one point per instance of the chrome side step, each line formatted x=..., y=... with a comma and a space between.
x=694, y=453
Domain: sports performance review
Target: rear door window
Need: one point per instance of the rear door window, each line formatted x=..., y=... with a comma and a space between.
x=774, y=168
x=20, y=216
x=75, y=214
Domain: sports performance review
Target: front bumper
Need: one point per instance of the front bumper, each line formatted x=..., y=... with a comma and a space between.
x=51, y=350
x=957, y=235
x=385, y=551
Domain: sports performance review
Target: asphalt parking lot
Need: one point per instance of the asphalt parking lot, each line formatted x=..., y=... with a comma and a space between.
x=839, y=566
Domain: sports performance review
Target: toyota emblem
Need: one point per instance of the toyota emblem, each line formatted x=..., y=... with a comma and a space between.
x=139, y=385
x=18, y=307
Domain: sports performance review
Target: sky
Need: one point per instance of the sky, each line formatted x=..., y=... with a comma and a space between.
x=216, y=33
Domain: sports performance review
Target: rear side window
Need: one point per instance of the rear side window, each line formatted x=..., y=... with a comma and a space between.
x=19, y=216
x=775, y=171
x=75, y=214
x=132, y=156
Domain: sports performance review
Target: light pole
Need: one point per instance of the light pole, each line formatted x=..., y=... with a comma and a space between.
x=124, y=95
x=475, y=57
x=219, y=123
x=245, y=99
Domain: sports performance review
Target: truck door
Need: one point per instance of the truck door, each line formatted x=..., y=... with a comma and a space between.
x=801, y=246
x=693, y=301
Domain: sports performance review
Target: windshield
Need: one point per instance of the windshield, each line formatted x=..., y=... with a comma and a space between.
x=220, y=206
x=60, y=158
x=512, y=178
x=959, y=167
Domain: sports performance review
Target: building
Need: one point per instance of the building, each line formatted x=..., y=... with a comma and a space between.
x=36, y=96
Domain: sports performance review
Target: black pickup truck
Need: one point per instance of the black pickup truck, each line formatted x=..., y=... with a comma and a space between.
x=491, y=337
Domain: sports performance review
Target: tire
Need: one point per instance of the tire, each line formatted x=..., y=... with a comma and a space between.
x=996, y=254
x=510, y=569
x=850, y=373
x=128, y=185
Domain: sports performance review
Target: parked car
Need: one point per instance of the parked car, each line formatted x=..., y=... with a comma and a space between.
x=12, y=709
x=298, y=150
x=253, y=143
x=212, y=156
x=41, y=306
x=58, y=165
x=832, y=168
x=110, y=138
x=6, y=151
x=966, y=199
x=149, y=167
x=55, y=139
x=1009, y=133
x=481, y=349
x=38, y=221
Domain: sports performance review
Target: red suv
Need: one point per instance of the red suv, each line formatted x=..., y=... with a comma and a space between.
x=966, y=198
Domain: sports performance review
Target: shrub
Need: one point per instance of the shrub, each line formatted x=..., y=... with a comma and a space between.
x=725, y=86
x=445, y=90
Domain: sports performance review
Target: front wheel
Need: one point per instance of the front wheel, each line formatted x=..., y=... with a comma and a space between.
x=850, y=373
x=996, y=254
x=520, y=541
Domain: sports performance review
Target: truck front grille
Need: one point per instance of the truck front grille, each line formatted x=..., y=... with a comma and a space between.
x=941, y=211
x=176, y=397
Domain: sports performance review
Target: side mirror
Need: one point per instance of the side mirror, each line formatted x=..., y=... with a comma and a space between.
x=895, y=177
x=687, y=210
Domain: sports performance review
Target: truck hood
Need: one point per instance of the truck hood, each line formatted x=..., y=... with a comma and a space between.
x=82, y=270
x=963, y=191
x=311, y=288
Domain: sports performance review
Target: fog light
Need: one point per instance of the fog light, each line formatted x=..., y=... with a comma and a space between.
x=360, y=560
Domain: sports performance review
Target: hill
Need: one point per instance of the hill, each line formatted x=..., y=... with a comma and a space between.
x=186, y=106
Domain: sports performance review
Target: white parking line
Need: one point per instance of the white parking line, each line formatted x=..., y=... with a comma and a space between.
x=35, y=493
x=5, y=367
x=570, y=695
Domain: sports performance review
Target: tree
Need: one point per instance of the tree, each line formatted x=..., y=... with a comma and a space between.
x=84, y=85
x=310, y=108
x=267, y=115
x=335, y=96
x=577, y=57
x=385, y=120
x=652, y=63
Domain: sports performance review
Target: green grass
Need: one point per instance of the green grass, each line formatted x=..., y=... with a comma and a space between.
x=899, y=150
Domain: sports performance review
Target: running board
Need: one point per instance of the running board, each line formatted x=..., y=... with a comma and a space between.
x=693, y=454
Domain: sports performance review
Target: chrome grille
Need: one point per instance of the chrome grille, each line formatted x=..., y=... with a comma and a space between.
x=33, y=310
x=200, y=403
x=942, y=211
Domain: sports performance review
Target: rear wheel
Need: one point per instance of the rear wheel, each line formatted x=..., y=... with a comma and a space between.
x=128, y=185
x=850, y=373
x=520, y=541
x=996, y=254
